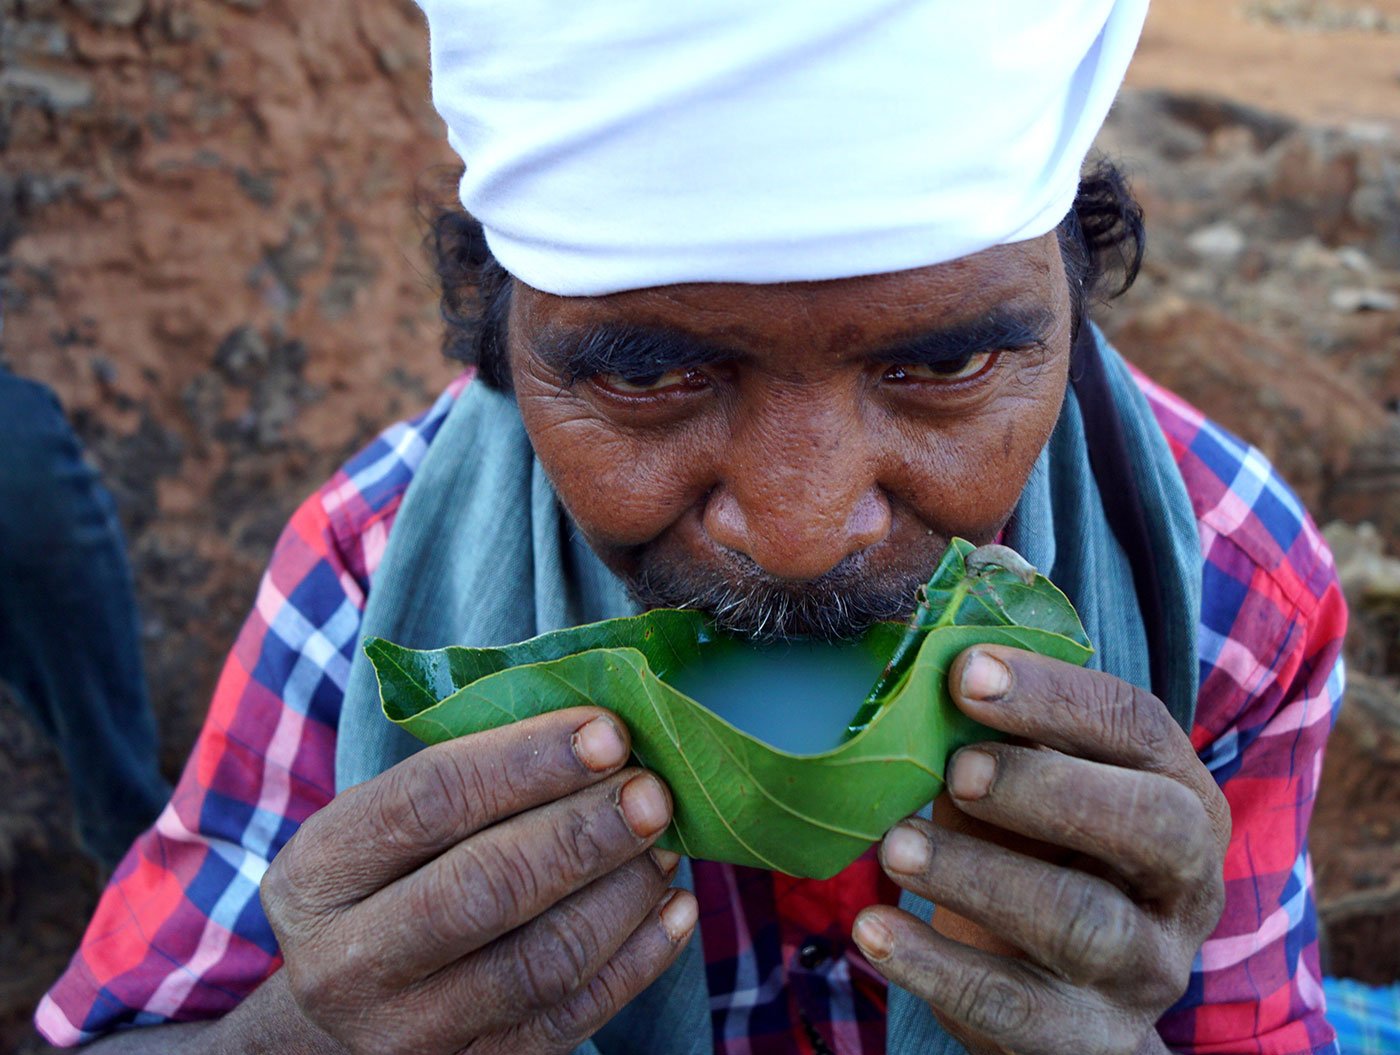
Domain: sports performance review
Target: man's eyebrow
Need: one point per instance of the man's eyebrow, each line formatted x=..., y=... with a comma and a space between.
x=1000, y=329
x=641, y=352
x=631, y=351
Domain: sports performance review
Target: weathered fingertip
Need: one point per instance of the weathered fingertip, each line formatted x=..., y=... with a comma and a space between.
x=874, y=938
x=679, y=914
x=600, y=745
x=906, y=850
x=645, y=805
x=972, y=774
x=665, y=860
x=984, y=677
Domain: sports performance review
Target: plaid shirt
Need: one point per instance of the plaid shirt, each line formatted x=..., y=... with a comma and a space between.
x=179, y=933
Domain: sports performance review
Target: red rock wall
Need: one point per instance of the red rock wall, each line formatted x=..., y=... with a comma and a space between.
x=216, y=262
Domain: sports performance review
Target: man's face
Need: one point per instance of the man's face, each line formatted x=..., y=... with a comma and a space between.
x=794, y=457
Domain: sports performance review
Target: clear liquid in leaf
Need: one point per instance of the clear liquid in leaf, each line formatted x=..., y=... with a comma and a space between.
x=797, y=696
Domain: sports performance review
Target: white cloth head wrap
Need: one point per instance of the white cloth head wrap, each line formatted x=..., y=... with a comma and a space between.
x=633, y=143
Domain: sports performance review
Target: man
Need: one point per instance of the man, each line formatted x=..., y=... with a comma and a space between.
x=777, y=300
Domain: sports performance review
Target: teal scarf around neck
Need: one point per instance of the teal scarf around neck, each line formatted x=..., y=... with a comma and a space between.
x=481, y=553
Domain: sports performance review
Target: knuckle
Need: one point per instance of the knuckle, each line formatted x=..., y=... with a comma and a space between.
x=1130, y=1038
x=1117, y=1036
x=276, y=895
x=1217, y=809
x=600, y=1000
x=641, y=882
x=1097, y=931
x=1173, y=822
x=581, y=844
x=284, y=887
x=497, y=883
x=1211, y=903
x=1116, y=713
x=557, y=957
x=998, y=1006
x=416, y=806
x=317, y=989
x=1131, y=718
x=490, y=788
x=363, y=965
x=563, y=1026
x=339, y=985
x=1165, y=978
x=452, y=905
x=383, y=1042
x=591, y=1005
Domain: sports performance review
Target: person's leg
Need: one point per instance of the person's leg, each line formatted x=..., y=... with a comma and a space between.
x=69, y=643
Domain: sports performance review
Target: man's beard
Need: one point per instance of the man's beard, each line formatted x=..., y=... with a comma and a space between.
x=742, y=599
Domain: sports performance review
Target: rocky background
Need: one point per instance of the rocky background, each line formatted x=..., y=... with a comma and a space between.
x=211, y=217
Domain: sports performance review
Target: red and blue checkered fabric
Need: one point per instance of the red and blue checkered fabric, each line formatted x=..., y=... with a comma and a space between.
x=179, y=933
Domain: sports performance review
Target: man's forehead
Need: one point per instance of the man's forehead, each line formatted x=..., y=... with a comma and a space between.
x=872, y=309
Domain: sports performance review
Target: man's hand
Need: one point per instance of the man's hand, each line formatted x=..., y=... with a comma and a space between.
x=1099, y=938
x=492, y=894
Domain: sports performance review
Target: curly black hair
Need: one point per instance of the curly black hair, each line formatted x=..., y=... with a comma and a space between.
x=1102, y=235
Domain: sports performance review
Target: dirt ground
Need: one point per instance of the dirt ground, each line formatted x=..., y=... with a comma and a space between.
x=211, y=216
x=1334, y=62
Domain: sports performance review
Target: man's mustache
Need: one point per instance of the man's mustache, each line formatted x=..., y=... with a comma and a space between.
x=742, y=599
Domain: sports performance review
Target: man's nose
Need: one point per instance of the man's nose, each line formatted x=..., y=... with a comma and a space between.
x=800, y=505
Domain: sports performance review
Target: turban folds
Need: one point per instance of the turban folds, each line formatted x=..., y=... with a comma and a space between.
x=633, y=143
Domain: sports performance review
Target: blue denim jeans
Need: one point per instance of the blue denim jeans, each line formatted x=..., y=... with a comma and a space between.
x=69, y=642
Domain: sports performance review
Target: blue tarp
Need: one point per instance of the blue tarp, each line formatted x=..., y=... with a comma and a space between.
x=1366, y=1017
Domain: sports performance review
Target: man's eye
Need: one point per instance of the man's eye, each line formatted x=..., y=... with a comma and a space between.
x=670, y=381
x=963, y=369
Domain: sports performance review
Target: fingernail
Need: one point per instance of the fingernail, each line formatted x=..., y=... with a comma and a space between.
x=644, y=805
x=907, y=850
x=972, y=774
x=666, y=860
x=599, y=745
x=873, y=937
x=985, y=678
x=679, y=914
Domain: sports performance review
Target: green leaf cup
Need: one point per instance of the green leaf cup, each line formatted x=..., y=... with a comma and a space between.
x=738, y=798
